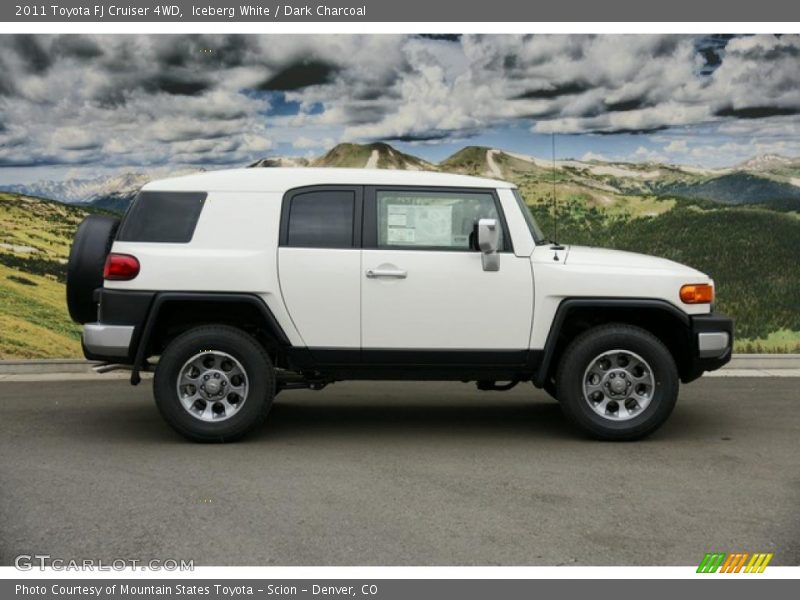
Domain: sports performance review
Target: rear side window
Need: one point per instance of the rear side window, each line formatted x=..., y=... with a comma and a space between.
x=167, y=217
x=321, y=219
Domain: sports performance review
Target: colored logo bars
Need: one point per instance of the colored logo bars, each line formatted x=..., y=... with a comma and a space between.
x=736, y=562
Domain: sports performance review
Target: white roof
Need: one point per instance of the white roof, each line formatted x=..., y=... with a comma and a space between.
x=276, y=179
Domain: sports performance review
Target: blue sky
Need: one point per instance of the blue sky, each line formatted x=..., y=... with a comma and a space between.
x=79, y=106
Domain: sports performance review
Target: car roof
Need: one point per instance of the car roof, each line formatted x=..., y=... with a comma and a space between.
x=278, y=179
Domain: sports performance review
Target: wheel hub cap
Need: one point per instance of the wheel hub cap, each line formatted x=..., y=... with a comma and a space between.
x=213, y=387
x=617, y=385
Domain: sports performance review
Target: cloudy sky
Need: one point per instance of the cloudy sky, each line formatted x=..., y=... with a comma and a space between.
x=83, y=105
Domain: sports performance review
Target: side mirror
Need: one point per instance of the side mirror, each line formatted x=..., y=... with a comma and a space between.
x=488, y=241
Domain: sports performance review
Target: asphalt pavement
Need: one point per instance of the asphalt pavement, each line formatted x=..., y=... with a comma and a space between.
x=399, y=474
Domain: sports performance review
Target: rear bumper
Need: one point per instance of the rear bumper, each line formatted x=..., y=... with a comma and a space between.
x=100, y=339
x=711, y=344
x=114, y=336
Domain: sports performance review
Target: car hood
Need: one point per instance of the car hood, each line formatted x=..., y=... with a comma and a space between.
x=588, y=256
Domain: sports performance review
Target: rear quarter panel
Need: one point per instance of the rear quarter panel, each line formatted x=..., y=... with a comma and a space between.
x=233, y=250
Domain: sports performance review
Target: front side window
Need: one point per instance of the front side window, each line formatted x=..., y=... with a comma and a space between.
x=321, y=219
x=438, y=220
x=533, y=226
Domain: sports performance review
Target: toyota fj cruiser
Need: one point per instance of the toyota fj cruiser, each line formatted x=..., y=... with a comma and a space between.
x=248, y=282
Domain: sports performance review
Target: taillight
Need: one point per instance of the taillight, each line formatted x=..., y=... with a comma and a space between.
x=121, y=267
x=697, y=293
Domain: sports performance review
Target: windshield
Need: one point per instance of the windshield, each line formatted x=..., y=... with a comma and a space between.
x=537, y=234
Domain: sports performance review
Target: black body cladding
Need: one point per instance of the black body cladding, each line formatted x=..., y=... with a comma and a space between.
x=143, y=310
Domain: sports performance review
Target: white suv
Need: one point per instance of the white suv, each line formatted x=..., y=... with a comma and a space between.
x=249, y=282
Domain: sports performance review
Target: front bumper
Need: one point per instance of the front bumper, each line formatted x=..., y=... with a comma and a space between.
x=711, y=343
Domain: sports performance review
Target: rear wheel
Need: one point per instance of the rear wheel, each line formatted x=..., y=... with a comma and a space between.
x=617, y=382
x=214, y=384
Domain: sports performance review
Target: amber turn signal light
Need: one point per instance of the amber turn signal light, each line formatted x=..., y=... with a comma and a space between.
x=697, y=293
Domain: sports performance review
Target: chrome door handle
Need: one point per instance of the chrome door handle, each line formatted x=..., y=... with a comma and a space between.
x=396, y=273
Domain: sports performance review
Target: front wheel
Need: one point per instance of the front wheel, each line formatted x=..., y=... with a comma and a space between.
x=214, y=384
x=617, y=382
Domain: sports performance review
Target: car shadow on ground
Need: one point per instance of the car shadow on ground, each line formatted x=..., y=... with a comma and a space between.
x=436, y=413
x=489, y=418
x=298, y=420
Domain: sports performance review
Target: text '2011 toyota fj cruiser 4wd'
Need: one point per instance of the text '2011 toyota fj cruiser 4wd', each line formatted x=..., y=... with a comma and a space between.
x=248, y=282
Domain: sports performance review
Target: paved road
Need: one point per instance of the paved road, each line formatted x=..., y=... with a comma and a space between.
x=385, y=473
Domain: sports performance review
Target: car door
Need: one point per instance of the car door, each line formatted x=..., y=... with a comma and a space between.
x=423, y=286
x=319, y=264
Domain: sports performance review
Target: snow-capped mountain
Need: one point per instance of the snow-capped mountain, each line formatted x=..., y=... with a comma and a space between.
x=766, y=162
x=80, y=191
x=112, y=192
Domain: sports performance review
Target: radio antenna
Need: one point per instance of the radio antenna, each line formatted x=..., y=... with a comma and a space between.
x=556, y=245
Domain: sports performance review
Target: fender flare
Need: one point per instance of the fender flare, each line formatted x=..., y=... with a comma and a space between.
x=162, y=298
x=569, y=304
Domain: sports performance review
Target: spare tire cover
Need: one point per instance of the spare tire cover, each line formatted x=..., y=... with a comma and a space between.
x=87, y=257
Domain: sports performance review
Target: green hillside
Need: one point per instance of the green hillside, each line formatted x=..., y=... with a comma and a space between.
x=35, y=237
x=470, y=160
x=735, y=188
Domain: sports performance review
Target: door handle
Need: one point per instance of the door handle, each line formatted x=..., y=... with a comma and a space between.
x=384, y=272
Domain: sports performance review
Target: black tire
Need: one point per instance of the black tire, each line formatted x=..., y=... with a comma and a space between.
x=581, y=353
x=242, y=347
x=87, y=257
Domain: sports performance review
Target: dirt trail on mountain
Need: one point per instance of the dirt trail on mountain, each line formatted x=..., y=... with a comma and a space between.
x=495, y=170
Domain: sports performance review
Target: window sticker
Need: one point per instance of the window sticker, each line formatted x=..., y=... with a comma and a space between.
x=416, y=225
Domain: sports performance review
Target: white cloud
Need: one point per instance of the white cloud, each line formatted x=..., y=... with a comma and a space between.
x=677, y=147
x=303, y=142
x=643, y=154
x=145, y=100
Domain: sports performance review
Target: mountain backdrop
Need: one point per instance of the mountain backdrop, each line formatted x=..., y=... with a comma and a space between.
x=771, y=180
x=739, y=224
